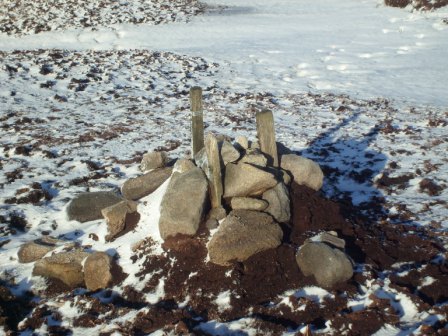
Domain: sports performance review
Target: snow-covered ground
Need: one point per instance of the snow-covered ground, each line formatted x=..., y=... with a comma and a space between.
x=356, y=47
x=356, y=86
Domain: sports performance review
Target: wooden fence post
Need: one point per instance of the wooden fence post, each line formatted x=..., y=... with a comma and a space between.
x=197, y=120
x=266, y=136
x=214, y=173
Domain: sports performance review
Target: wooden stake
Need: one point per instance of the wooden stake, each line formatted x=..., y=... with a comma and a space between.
x=197, y=120
x=214, y=174
x=266, y=136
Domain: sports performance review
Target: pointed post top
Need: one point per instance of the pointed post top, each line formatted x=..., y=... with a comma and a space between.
x=197, y=120
x=266, y=136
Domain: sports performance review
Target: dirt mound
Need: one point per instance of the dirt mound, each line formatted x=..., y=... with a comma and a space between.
x=256, y=287
x=268, y=288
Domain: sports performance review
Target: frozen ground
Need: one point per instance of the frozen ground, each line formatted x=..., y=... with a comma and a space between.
x=356, y=86
x=356, y=47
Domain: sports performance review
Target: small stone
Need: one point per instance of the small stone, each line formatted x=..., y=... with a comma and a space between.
x=242, y=142
x=98, y=271
x=254, y=144
x=330, y=238
x=328, y=265
x=153, y=160
x=229, y=153
x=66, y=267
x=183, y=204
x=201, y=160
x=286, y=178
x=217, y=213
x=87, y=207
x=304, y=171
x=211, y=223
x=183, y=165
x=182, y=329
x=37, y=249
x=279, y=204
x=115, y=216
x=248, y=203
x=246, y=180
x=242, y=234
x=144, y=185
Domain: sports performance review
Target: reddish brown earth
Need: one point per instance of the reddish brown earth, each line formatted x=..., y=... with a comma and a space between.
x=257, y=283
x=419, y=4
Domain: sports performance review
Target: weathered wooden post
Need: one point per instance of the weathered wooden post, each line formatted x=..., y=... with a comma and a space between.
x=266, y=136
x=197, y=120
x=214, y=173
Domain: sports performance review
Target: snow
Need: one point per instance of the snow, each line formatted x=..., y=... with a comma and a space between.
x=236, y=328
x=294, y=45
x=369, y=64
x=426, y=281
x=223, y=300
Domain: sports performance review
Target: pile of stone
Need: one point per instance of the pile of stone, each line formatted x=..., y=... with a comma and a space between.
x=73, y=266
x=240, y=190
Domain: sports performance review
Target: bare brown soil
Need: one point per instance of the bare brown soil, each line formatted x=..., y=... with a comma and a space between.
x=418, y=4
x=257, y=283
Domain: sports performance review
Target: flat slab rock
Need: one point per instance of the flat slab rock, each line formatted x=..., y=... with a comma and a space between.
x=242, y=234
x=36, y=249
x=141, y=186
x=65, y=266
x=87, y=207
x=248, y=203
x=243, y=179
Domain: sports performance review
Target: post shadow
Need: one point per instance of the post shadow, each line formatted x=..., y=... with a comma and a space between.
x=349, y=166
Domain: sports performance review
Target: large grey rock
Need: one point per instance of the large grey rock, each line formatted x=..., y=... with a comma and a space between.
x=87, y=206
x=279, y=204
x=115, y=216
x=304, y=171
x=98, y=271
x=153, y=160
x=141, y=186
x=242, y=234
x=248, y=203
x=183, y=204
x=328, y=265
x=66, y=267
x=246, y=180
x=229, y=153
x=36, y=249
